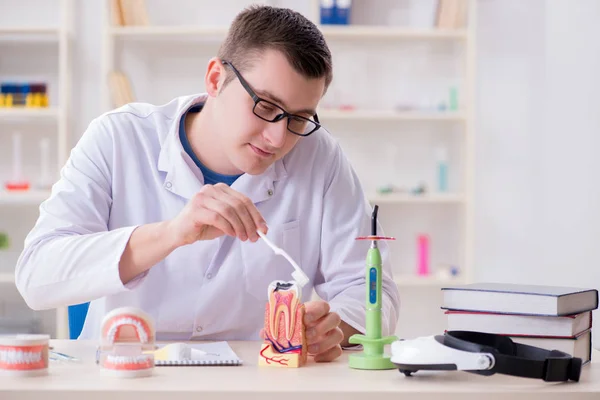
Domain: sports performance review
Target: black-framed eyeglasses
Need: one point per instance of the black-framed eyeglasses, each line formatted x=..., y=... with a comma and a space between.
x=271, y=112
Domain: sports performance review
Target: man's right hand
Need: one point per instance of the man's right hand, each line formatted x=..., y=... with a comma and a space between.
x=214, y=211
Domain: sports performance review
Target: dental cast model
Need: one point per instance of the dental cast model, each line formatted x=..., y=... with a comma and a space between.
x=24, y=355
x=284, y=333
x=127, y=335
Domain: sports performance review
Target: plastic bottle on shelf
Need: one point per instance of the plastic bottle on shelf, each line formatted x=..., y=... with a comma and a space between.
x=422, y=255
x=17, y=182
x=342, y=12
x=442, y=168
x=327, y=8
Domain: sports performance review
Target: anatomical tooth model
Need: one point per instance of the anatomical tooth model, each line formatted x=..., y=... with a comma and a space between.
x=128, y=335
x=284, y=334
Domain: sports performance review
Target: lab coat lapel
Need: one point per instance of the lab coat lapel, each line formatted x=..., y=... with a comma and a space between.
x=181, y=179
x=259, y=188
x=179, y=167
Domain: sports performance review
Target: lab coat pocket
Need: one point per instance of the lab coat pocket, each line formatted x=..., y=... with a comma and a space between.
x=262, y=266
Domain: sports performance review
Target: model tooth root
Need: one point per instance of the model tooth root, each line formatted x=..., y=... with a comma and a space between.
x=285, y=343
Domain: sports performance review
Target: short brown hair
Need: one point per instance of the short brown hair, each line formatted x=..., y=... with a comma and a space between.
x=258, y=28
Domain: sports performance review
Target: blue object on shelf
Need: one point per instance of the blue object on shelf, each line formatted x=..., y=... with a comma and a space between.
x=443, y=177
x=327, y=12
x=77, y=314
x=342, y=12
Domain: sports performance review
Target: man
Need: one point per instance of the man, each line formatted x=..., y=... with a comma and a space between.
x=158, y=207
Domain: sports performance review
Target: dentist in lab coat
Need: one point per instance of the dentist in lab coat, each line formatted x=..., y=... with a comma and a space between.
x=158, y=206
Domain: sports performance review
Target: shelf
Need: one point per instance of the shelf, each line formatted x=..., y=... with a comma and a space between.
x=29, y=197
x=387, y=32
x=19, y=113
x=330, y=32
x=434, y=281
x=33, y=30
x=328, y=115
x=154, y=32
x=33, y=33
x=399, y=198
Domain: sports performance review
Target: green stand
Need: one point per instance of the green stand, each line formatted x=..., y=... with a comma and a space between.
x=372, y=356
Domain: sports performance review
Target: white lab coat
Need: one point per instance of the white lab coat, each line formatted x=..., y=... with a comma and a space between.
x=130, y=169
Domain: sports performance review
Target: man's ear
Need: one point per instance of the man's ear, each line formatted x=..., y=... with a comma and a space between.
x=215, y=76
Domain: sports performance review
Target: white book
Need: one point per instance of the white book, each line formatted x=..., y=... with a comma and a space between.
x=519, y=325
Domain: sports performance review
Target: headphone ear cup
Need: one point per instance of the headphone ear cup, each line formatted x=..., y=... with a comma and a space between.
x=575, y=369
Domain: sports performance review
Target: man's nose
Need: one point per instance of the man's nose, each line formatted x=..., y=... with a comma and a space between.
x=276, y=133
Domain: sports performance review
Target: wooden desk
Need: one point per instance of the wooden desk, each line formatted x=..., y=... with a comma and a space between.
x=83, y=381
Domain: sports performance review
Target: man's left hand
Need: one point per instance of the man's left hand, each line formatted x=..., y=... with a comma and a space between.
x=323, y=333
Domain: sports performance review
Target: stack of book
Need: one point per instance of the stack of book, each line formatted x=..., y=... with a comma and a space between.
x=549, y=317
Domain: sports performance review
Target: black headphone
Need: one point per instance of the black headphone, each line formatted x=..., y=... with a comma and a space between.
x=515, y=358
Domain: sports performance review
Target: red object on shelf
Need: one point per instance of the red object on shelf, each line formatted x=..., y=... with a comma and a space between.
x=375, y=238
x=17, y=185
x=423, y=255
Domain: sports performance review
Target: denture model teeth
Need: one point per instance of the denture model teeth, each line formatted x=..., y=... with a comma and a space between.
x=24, y=355
x=127, y=321
x=128, y=363
x=285, y=342
x=128, y=336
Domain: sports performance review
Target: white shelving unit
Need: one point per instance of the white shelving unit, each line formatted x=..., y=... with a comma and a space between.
x=55, y=118
x=359, y=36
x=52, y=113
x=30, y=197
x=416, y=199
x=52, y=33
x=388, y=33
x=389, y=116
x=330, y=32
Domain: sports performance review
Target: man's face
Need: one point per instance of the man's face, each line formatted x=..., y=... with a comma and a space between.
x=250, y=143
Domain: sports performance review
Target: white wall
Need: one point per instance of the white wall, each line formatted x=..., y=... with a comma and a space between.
x=536, y=198
x=537, y=214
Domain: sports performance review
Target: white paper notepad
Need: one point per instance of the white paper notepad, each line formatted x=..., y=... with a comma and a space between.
x=216, y=353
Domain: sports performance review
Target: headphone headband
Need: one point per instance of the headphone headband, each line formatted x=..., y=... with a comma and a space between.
x=515, y=358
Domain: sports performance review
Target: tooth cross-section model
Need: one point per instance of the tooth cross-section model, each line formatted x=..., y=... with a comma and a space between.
x=24, y=355
x=285, y=342
x=127, y=341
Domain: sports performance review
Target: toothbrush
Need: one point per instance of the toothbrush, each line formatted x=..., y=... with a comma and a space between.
x=178, y=351
x=298, y=274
